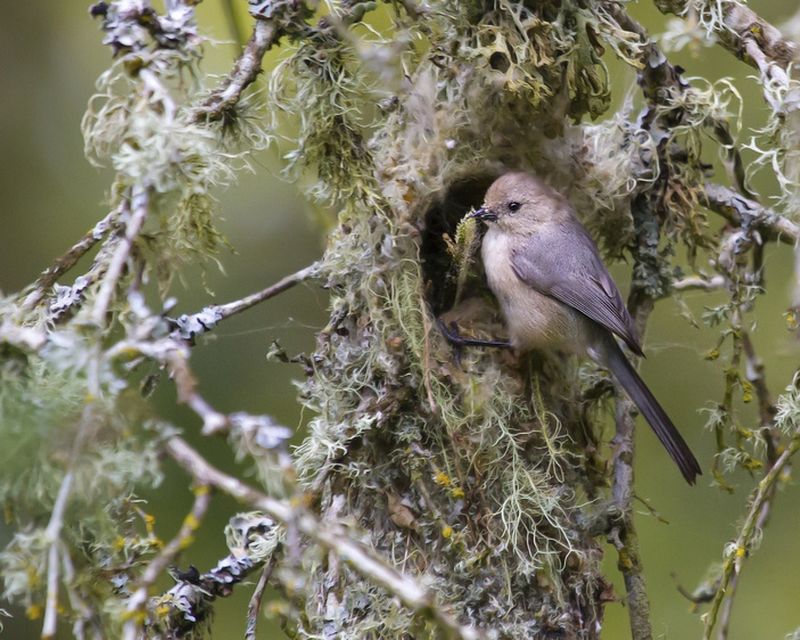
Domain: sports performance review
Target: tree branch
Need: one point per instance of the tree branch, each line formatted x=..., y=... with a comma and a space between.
x=224, y=99
x=138, y=600
x=747, y=213
x=736, y=552
x=697, y=282
x=139, y=206
x=330, y=535
x=626, y=540
x=56, y=522
x=254, y=606
x=189, y=327
x=63, y=264
x=745, y=34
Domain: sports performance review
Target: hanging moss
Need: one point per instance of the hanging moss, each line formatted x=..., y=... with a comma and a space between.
x=467, y=470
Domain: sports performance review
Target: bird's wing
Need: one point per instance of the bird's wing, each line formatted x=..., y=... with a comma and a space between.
x=570, y=270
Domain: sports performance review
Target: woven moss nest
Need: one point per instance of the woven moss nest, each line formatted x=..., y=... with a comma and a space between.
x=474, y=471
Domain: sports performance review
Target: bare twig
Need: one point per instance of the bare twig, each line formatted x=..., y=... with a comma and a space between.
x=254, y=606
x=138, y=599
x=661, y=83
x=331, y=536
x=754, y=373
x=191, y=326
x=224, y=99
x=53, y=534
x=63, y=264
x=139, y=206
x=186, y=385
x=78, y=603
x=697, y=282
x=745, y=34
x=626, y=538
x=56, y=522
x=747, y=213
x=756, y=516
x=727, y=607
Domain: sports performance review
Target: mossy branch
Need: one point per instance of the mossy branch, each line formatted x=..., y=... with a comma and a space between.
x=463, y=513
x=740, y=30
x=329, y=535
x=736, y=552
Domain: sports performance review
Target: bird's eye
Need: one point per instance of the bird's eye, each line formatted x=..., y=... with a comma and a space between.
x=514, y=206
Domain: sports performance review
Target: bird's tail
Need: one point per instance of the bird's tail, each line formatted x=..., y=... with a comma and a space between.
x=666, y=431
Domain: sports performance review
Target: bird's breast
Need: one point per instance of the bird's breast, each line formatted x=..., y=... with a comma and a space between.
x=534, y=320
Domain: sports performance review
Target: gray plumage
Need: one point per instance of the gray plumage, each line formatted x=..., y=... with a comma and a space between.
x=555, y=292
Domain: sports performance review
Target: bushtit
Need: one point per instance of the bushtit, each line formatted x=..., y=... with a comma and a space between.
x=556, y=293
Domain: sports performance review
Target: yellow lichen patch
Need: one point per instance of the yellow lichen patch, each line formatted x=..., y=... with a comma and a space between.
x=34, y=611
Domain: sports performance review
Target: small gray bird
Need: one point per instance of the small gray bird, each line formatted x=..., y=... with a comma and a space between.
x=556, y=293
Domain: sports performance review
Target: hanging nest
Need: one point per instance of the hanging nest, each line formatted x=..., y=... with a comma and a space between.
x=473, y=469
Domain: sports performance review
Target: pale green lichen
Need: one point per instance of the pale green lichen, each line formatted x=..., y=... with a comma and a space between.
x=493, y=459
x=391, y=402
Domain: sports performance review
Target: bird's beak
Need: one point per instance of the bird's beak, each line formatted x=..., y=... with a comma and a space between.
x=483, y=214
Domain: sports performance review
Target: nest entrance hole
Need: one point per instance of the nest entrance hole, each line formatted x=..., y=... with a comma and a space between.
x=441, y=219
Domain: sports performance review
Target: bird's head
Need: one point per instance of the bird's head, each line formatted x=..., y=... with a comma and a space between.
x=519, y=202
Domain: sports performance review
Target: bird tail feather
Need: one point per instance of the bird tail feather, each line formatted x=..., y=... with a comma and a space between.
x=653, y=412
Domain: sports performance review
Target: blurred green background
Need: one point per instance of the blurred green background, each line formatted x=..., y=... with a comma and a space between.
x=51, y=54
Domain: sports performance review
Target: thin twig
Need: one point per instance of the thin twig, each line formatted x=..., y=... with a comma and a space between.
x=698, y=282
x=63, y=264
x=630, y=561
x=139, y=210
x=87, y=614
x=186, y=385
x=138, y=600
x=755, y=375
x=189, y=327
x=745, y=212
x=741, y=26
x=254, y=606
x=757, y=513
x=331, y=536
x=56, y=522
x=661, y=84
x=53, y=534
x=754, y=372
x=727, y=607
x=224, y=99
